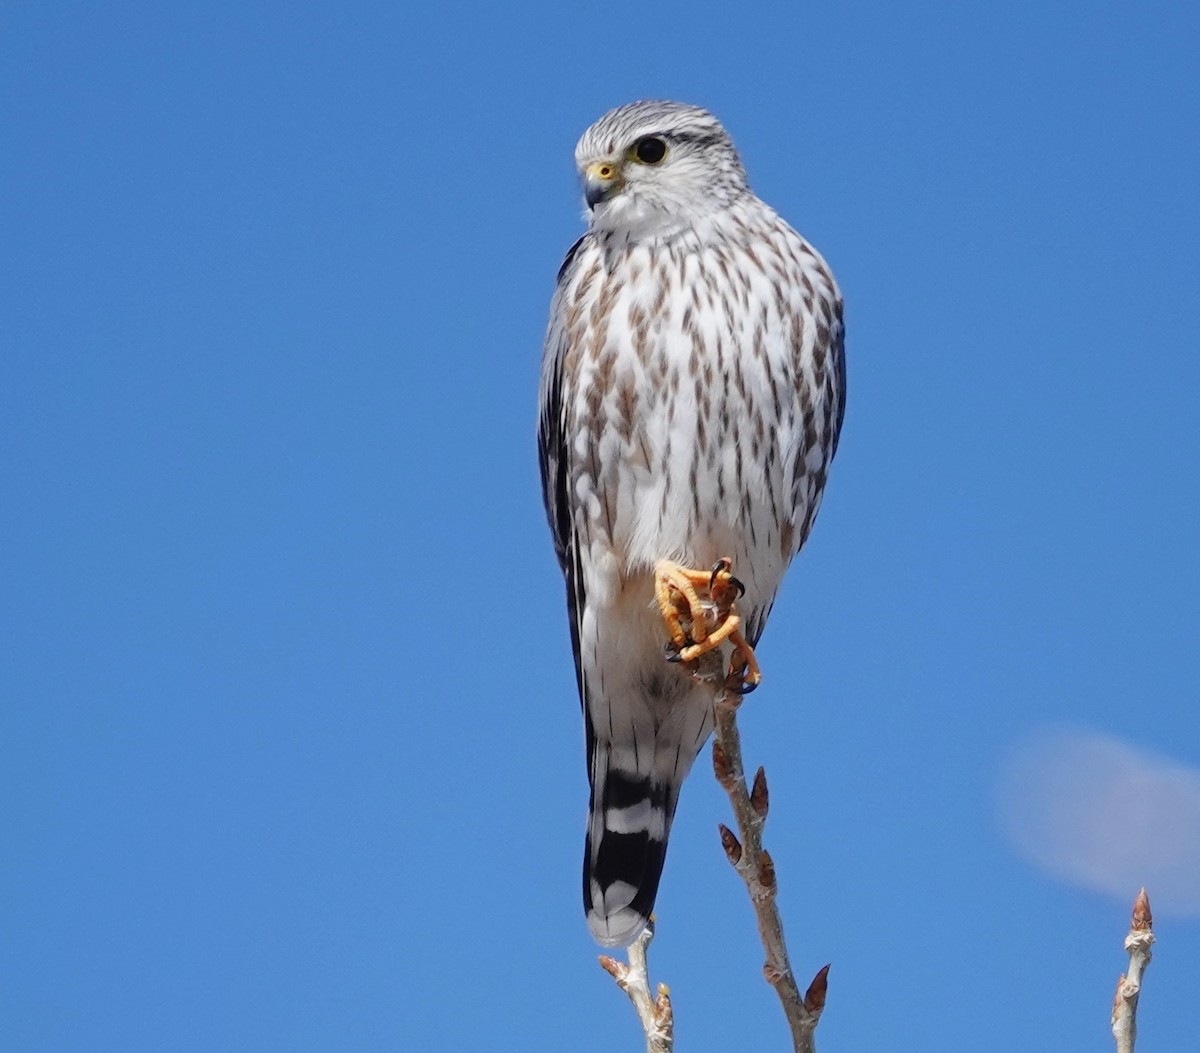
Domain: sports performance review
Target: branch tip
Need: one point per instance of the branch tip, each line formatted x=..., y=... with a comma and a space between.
x=1138, y=942
x=653, y=1011
x=1143, y=920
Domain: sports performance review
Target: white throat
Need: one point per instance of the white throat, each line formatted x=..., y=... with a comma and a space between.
x=635, y=219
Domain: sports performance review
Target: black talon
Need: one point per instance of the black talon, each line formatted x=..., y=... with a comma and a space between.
x=741, y=589
x=721, y=565
x=671, y=652
x=744, y=688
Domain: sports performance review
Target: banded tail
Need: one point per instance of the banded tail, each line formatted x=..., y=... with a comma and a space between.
x=625, y=850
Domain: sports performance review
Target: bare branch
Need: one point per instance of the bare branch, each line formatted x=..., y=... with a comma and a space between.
x=654, y=1013
x=1129, y=986
x=698, y=609
x=757, y=870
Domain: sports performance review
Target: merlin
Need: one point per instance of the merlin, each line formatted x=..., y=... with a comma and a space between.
x=692, y=392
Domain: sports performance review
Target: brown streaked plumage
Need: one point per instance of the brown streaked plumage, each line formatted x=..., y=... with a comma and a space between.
x=692, y=393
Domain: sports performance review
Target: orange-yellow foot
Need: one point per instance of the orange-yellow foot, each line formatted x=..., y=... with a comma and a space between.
x=682, y=609
x=744, y=673
x=697, y=607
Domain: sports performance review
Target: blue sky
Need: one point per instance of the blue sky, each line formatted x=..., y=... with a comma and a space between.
x=289, y=751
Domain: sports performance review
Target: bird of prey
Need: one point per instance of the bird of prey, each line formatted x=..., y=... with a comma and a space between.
x=692, y=392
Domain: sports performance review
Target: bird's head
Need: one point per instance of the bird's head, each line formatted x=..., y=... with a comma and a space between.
x=655, y=168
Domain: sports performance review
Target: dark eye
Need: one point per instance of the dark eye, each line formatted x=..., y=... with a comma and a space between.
x=650, y=150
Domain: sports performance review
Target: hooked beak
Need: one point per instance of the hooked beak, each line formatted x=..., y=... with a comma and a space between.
x=601, y=180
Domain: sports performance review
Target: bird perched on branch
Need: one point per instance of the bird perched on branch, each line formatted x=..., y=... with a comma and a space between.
x=692, y=392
